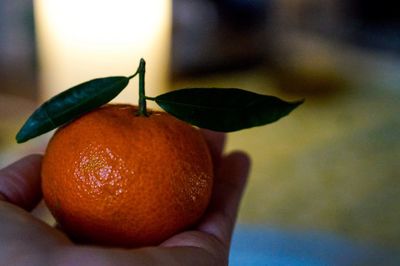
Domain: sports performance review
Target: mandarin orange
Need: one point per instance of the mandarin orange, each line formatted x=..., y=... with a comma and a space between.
x=112, y=177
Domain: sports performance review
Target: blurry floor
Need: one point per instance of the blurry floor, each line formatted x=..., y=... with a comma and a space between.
x=331, y=165
x=272, y=246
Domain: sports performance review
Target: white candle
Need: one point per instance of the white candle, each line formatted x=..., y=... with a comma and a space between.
x=81, y=40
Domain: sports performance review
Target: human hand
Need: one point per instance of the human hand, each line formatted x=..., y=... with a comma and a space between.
x=25, y=240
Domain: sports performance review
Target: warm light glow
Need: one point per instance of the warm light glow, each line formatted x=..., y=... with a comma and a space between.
x=80, y=40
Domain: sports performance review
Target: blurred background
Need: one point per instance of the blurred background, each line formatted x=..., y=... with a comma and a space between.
x=324, y=185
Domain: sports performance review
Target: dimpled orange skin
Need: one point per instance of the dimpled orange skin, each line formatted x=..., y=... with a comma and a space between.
x=114, y=178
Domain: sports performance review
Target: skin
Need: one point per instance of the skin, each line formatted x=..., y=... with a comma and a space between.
x=25, y=240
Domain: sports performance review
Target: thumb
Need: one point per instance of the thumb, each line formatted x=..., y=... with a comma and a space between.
x=20, y=182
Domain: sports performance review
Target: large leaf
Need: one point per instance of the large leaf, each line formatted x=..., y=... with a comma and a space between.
x=224, y=109
x=71, y=104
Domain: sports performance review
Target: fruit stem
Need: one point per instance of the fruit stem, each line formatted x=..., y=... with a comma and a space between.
x=142, y=96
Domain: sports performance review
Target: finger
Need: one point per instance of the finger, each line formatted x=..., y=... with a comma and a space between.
x=81, y=255
x=216, y=143
x=20, y=182
x=228, y=189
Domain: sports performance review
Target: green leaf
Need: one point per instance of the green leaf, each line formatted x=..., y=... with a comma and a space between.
x=71, y=104
x=224, y=110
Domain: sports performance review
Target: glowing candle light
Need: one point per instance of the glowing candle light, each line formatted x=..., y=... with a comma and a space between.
x=81, y=40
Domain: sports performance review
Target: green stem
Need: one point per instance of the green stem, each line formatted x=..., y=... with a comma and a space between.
x=142, y=96
x=150, y=98
x=134, y=75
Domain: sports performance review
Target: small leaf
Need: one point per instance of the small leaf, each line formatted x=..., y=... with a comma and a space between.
x=71, y=104
x=224, y=110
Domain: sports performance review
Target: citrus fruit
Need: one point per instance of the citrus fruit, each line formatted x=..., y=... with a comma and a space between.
x=112, y=177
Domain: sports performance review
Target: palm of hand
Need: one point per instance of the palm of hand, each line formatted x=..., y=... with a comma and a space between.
x=27, y=240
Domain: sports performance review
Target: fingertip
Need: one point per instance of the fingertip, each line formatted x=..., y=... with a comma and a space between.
x=240, y=157
x=230, y=182
x=210, y=132
x=20, y=182
x=214, y=138
x=34, y=159
x=237, y=164
x=216, y=143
